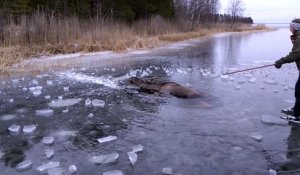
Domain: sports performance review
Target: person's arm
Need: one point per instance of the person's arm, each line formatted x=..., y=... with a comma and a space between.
x=294, y=55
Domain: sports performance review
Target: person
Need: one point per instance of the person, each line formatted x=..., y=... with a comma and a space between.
x=293, y=56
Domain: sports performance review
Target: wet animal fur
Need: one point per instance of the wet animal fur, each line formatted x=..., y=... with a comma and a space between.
x=165, y=88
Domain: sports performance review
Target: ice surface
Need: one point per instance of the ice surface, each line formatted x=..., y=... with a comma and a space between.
x=113, y=172
x=167, y=170
x=48, y=140
x=291, y=87
x=72, y=169
x=64, y=103
x=272, y=172
x=262, y=87
x=48, y=165
x=275, y=91
x=286, y=88
x=241, y=81
x=29, y=128
x=104, y=159
x=49, y=153
x=14, y=128
x=137, y=148
x=8, y=117
x=44, y=112
x=88, y=102
x=107, y=139
x=98, y=103
x=271, y=120
x=25, y=165
x=132, y=157
x=256, y=136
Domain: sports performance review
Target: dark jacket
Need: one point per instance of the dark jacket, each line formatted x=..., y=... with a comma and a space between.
x=294, y=55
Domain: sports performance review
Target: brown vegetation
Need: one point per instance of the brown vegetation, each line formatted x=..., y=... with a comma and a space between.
x=43, y=35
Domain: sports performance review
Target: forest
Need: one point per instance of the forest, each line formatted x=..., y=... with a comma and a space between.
x=33, y=28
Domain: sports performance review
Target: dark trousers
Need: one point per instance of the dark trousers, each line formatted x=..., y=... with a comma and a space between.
x=297, y=96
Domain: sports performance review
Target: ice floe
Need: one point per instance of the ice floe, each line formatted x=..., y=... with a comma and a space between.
x=72, y=169
x=132, y=156
x=14, y=128
x=107, y=139
x=167, y=170
x=48, y=140
x=47, y=166
x=64, y=103
x=49, y=153
x=98, y=103
x=256, y=136
x=113, y=172
x=104, y=159
x=29, y=129
x=23, y=166
x=44, y=112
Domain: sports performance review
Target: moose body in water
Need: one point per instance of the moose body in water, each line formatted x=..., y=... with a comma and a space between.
x=171, y=88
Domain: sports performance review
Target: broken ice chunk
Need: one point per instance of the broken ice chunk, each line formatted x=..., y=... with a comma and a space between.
x=36, y=93
x=29, y=128
x=257, y=136
x=14, y=128
x=65, y=110
x=11, y=100
x=272, y=172
x=104, y=159
x=48, y=165
x=262, y=88
x=44, y=112
x=49, y=82
x=271, y=120
x=72, y=169
x=132, y=157
x=252, y=80
x=107, y=139
x=24, y=89
x=88, y=102
x=238, y=87
x=286, y=88
x=91, y=115
x=60, y=97
x=275, y=91
x=47, y=97
x=98, y=103
x=64, y=103
x=137, y=148
x=224, y=77
x=113, y=172
x=167, y=171
x=8, y=117
x=48, y=140
x=49, y=153
x=35, y=88
x=66, y=89
x=25, y=165
x=34, y=81
x=271, y=82
x=241, y=81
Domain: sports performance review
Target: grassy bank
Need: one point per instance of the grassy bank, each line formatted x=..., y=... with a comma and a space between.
x=43, y=35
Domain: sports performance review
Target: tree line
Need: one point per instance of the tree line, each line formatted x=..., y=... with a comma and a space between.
x=195, y=11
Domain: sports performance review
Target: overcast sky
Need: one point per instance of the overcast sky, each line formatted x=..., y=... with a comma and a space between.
x=269, y=11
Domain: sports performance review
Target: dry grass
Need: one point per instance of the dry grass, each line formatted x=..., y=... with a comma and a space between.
x=43, y=35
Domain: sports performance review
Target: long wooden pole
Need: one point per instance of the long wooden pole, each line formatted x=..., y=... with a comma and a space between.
x=228, y=73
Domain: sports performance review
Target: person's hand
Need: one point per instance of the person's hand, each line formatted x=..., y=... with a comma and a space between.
x=278, y=64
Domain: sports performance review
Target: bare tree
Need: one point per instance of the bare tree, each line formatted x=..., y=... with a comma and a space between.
x=235, y=10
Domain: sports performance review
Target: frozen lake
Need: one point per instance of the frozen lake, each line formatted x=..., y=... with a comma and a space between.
x=91, y=118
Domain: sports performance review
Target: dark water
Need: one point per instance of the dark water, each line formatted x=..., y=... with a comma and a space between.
x=210, y=135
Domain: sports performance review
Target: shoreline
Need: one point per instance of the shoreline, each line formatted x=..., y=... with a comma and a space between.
x=44, y=63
